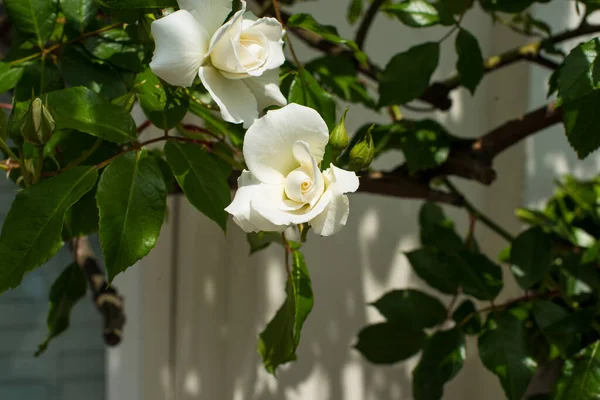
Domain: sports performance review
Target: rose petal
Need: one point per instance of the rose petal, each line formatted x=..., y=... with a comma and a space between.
x=235, y=100
x=302, y=154
x=180, y=46
x=273, y=31
x=224, y=46
x=343, y=181
x=269, y=203
x=209, y=13
x=333, y=218
x=241, y=209
x=269, y=141
x=266, y=89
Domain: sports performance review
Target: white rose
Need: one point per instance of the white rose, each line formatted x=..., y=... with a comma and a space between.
x=284, y=185
x=238, y=62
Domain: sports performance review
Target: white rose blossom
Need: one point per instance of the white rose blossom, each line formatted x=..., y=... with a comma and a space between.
x=284, y=185
x=238, y=62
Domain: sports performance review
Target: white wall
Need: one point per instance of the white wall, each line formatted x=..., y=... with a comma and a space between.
x=203, y=300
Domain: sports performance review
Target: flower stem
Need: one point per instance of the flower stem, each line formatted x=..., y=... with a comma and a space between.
x=4, y=147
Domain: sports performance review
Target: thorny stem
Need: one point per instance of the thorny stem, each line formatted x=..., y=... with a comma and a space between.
x=478, y=214
x=58, y=46
x=4, y=147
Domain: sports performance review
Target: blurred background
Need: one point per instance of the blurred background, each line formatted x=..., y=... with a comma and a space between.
x=195, y=306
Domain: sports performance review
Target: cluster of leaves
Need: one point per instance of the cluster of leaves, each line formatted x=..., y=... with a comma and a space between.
x=87, y=60
x=555, y=261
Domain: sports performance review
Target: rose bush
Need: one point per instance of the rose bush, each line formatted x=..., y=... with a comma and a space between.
x=238, y=62
x=283, y=185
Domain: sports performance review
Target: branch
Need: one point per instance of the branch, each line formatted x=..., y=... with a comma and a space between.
x=105, y=297
x=363, y=29
x=438, y=92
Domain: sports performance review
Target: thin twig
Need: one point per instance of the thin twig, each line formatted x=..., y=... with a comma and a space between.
x=363, y=29
x=478, y=214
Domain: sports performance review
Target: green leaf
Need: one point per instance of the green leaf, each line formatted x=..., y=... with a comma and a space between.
x=132, y=201
x=79, y=13
x=414, y=13
x=79, y=70
x=327, y=32
x=472, y=325
x=81, y=109
x=477, y=274
x=341, y=77
x=581, y=118
x=216, y=124
x=561, y=327
x=433, y=269
x=66, y=291
x=261, y=240
x=82, y=218
x=531, y=256
x=138, y=3
x=305, y=90
x=389, y=342
x=31, y=231
x=580, y=72
x=164, y=105
x=458, y=7
x=407, y=75
x=202, y=178
x=443, y=358
x=508, y=6
x=9, y=77
x=119, y=48
x=39, y=77
x=437, y=230
x=425, y=146
x=354, y=11
x=504, y=351
x=33, y=17
x=583, y=382
x=412, y=307
x=470, y=60
x=280, y=339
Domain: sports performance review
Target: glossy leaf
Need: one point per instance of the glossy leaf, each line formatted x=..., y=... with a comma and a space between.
x=415, y=308
x=581, y=119
x=433, y=269
x=580, y=72
x=407, y=75
x=477, y=274
x=504, y=351
x=66, y=291
x=38, y=78
x=34, y=18
x=467, y=315
x=202, y=178
x=280, y=339
x=531, y=255
x=132, y=201
x=162, y=104
x=583, y=381
x=389, y=342
x=31, y=233
x=79, y=70
x=354, y=10
x=306, y=90
x=437, y=230
x=117, y=47
x=82, y=109
x=470, y=60
x=9, y=77
x=79, y=13
x=414, y=13
x=442, y=359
